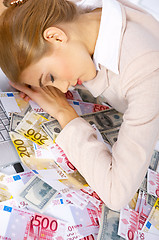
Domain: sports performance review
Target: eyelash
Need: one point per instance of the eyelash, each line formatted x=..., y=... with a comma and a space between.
x=52, y=78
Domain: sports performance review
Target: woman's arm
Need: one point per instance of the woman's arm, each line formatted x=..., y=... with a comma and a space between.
x=52, y=100
x=116, y=177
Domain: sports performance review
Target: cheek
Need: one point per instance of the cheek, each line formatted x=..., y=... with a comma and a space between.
x=66, y=68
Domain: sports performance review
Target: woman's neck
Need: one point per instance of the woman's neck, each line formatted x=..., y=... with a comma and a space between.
x=89, y=29
x=85, y=29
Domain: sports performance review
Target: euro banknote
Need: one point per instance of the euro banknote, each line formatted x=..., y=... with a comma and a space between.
x=128, y=223
x=26, y=153
x=30, y=127
x=23, y=224
x=73, y=95
x=152, y=223
x=144, y=210
x=153, y=183
x=132, y=222
x=12, y=102
x=25, y=149
x=79, y=106
x=4, y=193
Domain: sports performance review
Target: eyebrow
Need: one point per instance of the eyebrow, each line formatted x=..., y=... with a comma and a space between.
x=40, y=81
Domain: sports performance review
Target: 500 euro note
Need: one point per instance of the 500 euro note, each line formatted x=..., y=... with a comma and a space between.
x=74, y=179
x=128, y=224
x=153, y=183
x=26, y=225
x=79, y=106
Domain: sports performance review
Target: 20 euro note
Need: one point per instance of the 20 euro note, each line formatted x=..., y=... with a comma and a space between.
x=26, y=225
x=30, y=127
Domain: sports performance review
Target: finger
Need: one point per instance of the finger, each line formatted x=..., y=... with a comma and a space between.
x=22, y=95
x=27, y=98
x=56, y=91
x=22, y=88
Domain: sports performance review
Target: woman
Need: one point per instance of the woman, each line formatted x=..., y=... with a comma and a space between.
x=113, y=50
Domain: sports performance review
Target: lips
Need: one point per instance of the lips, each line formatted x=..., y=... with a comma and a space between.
x=79, y=82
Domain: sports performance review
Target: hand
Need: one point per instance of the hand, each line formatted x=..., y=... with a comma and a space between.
x=2, y=7
x=52, y=100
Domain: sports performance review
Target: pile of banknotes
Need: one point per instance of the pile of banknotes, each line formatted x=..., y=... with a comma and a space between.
x=52, y=200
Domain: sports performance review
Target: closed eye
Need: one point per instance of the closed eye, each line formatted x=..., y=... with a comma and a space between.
x=52, y=78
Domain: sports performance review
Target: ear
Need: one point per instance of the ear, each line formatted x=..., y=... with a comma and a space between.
x=55, y=35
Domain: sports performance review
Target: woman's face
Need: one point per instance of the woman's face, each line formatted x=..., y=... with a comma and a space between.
x=62, y=68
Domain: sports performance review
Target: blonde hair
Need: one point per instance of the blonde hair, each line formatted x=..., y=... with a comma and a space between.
x=21, y=32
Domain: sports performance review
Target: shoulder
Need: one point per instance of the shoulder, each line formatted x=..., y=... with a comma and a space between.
x=139, y=49
x=140, y=34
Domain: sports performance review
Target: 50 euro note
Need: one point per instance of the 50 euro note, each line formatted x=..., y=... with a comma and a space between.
x=27, y=225
x=30, y=128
